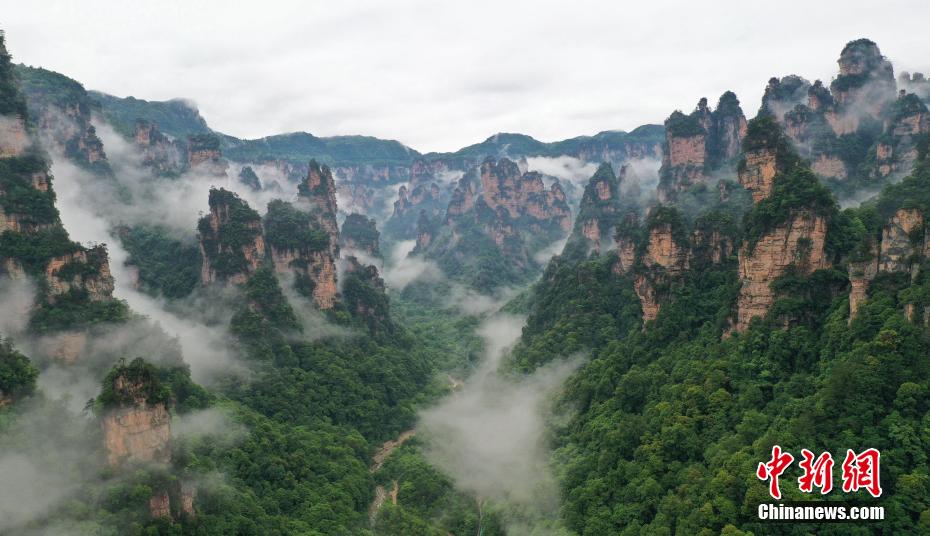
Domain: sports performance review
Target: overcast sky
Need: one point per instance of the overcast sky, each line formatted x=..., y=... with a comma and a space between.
x=440, y=75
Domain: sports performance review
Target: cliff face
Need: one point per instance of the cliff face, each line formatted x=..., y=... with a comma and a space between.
x=61, y=111
x=599, y=211
x=15, y=139
x=319, y=190
x=647, y=298
x=855, y=129
x=203, y=155
x=698, y=144
x=664, y=251
x=159, y=153
x=300, y=245
x=860, y=275
x=766, y=153
x=135, y=430
x=28, y=213
x=799, y=242
x=897, y=246
x=85, y=271
x=231, y=240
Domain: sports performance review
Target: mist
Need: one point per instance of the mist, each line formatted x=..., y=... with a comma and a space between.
x=194, y=322
x=404, y=269
x=490, y=437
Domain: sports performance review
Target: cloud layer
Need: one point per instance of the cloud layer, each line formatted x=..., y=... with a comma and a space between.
x=442, y=75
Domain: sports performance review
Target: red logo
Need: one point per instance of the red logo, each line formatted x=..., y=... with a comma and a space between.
x=816, y=473
x=860, y=471
x=773, y=469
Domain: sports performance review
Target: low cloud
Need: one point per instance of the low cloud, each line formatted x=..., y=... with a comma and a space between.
x=404, y=269
x=489, y=436
x=565, y=168
x=17, y=297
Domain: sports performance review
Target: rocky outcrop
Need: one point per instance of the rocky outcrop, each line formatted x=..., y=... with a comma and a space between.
x=363, y=294
x=516, y=195
x=203, y=155
x=161, y=154
x=598, y=213
x=231, y=242
x=417, y=199
x=865, y=84
x=319, y=191
x=136, y=430
x=463, y=197
x=85, y=271
x=300, y=245
x=861, y=273
x=898, y=245
x=647, y=298
x=663, y=250
x=799, y=242
x=360, y=234
x=698, y=144
x=766, y=154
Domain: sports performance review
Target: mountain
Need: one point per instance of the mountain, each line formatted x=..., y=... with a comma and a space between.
x=764, y=315
x=497, y=218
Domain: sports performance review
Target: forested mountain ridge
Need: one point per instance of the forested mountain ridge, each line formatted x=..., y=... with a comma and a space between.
x=717, y=331
x=241, y=359
x=312, y=363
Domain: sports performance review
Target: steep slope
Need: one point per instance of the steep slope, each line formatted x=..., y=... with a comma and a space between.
x=496, y=219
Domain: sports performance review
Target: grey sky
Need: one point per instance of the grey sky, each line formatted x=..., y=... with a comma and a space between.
x=439, y=75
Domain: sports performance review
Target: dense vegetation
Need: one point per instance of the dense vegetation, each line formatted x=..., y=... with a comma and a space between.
x=166, y=265
x=672, y=420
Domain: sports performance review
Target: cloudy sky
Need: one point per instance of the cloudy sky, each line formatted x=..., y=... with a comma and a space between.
x=439, y=75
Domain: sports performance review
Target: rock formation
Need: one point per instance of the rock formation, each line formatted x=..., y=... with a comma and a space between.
x=319, y=191
x=766, y=153
x=159, y=153
x=300, y=245
x=363, y=294
x=898, y=245
x=496, y=211
x=861, y=273
x=798, y=242
x=598, y=213
x=136, y=423
x=698, y=144
x=203, y=155
x=360, y=234
x=86, y=271
x=231, y=241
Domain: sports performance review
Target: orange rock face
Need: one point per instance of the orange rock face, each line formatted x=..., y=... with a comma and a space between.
x=686, y=151
x=626, y=256
x=896, y=246
x=323, y=274
x=647, y=298
x=758, y=174
x=829, y=167
x=664, y=251
x=860, y=275
x=137, y=434
x=99, y=285
x=160, y=505
x=798, y=242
